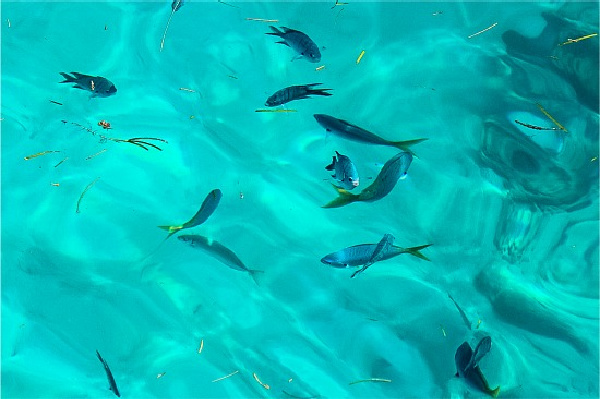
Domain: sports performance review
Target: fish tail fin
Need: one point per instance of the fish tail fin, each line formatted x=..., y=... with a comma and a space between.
x=171, y=229
x=319, y=92
x=254, y=274
x=275, y=32
x=495, y=392
x=345, y=197
x=416, y=251
x=331, y=166
x=68, y=78
x=405, y=145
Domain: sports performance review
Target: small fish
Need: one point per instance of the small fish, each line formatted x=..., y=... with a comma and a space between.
x=384, y=183
x=482, y=349
x=295, y=93
x=382, y=248
x=98, y=85
x=473, y=375
x=360, y=254
x=352, y=132
x=299, y=42
x=111, y=380
x=345, y=171
x=209, y=205
x=218, y=251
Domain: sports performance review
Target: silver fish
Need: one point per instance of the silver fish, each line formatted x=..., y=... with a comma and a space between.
x=352, y=132
x=382, y=248
x=386, y=180
x=345, y=171
x=98, y=85
x=298, y=41
x=295, y=93
x=473, y=375
x=218, y=251
x=360, y=254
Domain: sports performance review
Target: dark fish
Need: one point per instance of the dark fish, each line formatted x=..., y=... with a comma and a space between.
x=473, y=375
x=298, y=41
x=482, y=349
x=386, y=180
x=360, y=254
x=209, y=205
x=98, y=85
x=381, y=249
x=218, y=251
x=352, y=132
x=111, y=380
x=345, y=171
x=295, y=93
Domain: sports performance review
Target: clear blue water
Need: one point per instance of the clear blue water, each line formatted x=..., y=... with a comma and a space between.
x=512, y=212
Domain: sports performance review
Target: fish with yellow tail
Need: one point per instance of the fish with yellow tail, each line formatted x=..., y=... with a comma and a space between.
x=209, y=205
x=393, y=170
x=467, y=366
x=346, y=130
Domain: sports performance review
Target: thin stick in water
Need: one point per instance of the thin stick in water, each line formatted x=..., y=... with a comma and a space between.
x=83, y=193
x=370, y=380
x=481, y=31
x=227, y=376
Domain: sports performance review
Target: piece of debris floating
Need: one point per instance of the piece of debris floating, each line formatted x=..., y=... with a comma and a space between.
x=61, y=161
x=185, y=89
x=96, y=154
x=360, y=57
x=569, y=41
x=265, y=386
x=83, y=193
x=551, y=118
x=481, y=31
x=535, y=127
x=55, y=102
x=28, y=157
x=55, y=184
x=262, y=20
x=370, y=380
x=319, y=68
x=227, y=376
x=201, y=346
x=275, y=110
x=160, y=375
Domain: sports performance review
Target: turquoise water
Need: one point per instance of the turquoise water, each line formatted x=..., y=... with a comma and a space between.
x=512, y=212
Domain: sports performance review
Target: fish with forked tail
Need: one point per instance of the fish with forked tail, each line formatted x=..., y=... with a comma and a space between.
x=384, y=183
x=352, y=132
x=299, y=42
x=98, y=85
x=366, y=254
x=209, y=205
x=219, y=252
x=467, y=367
x=292, y=93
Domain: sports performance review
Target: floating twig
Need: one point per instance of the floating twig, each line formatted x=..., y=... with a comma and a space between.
x=275, y=110
x=535, y=127
x=141, y=142
x=201, y=346
x=262, y=20
x=55, y=184
x=443, y=331
x=61, y=161
x=370, y=380
x=551, y=118
x=360, y=57
x=55, y=102
x=319, y=68
x=481, y=31
x=569, y=41
x=175, y=5
x=338, y=3
x=160, y=375
x=8, y=20
x=28, y=157
x=83, y=193
x=227, y=376
x=185, y=89
x=594, y=159
x=96, y=154
x=227, y=4
x=265, y=386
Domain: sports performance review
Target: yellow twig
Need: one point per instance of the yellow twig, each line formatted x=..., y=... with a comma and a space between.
x=481, y=31
x=360, y=57
x=227, y=376
x=569, y=41
x=265, y=386
x=551, y=118
x=370, y=380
